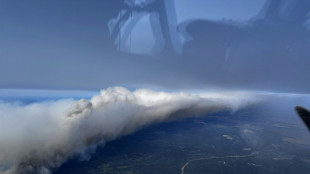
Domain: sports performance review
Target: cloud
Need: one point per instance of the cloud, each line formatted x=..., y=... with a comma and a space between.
x=39, y=137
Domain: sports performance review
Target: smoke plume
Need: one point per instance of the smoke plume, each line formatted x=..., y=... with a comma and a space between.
x=39, y=137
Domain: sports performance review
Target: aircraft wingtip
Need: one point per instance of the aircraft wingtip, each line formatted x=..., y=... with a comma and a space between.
x=304, y=114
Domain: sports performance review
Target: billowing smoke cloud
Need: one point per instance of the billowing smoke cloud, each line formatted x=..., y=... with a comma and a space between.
x=39, y=137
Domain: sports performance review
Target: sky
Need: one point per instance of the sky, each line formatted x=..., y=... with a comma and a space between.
x=201, y=44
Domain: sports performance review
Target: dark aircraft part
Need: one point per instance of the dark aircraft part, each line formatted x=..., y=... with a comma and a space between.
x=304, y=114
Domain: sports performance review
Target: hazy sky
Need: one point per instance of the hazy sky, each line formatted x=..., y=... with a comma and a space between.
x=216, y=10
x=65, y=45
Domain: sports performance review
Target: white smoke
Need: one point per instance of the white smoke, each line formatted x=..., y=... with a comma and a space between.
x=39, y=137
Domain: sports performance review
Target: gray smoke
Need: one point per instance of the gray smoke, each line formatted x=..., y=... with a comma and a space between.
x=39, y=137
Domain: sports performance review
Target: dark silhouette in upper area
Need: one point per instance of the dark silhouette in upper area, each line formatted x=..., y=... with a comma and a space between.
x=162, y=20
x=263, y=52
x=274, y=41
x=280, y=25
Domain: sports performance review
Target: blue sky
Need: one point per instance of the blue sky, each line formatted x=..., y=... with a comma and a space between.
x=66, y=45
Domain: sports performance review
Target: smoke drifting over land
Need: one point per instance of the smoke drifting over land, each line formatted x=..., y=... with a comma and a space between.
x=39, y=137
